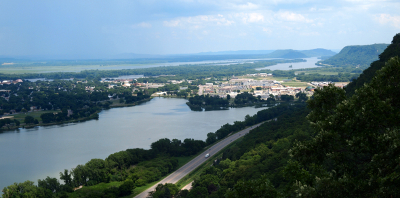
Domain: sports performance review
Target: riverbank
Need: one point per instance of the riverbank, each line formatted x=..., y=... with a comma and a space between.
x=92, y=116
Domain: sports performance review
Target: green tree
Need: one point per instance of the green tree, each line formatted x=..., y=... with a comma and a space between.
x=355, y=152
x=17, y=123
x=287, y=98
x=211, y=138
x=165, y=191
x=302, y=97
x=254, y=188
x=29, y=120
x=66, y=177
x=25, y=189
x=49, y=183
x=126, y=188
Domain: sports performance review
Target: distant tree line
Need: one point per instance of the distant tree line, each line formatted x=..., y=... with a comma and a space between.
x=179, y=72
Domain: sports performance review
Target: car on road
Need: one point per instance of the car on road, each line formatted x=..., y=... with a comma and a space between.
x=207, y=155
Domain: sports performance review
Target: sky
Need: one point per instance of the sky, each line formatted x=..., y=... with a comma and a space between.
x=97, y=28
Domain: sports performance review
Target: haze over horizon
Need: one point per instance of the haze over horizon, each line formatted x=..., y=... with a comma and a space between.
x=93, y=29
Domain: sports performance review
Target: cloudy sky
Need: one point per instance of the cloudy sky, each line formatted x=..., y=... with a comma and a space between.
x=103, y=28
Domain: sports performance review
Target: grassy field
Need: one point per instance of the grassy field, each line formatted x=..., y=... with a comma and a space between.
x=296, y=84
x=35, y=114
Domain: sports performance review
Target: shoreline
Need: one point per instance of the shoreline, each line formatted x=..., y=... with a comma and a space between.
x=95, y=115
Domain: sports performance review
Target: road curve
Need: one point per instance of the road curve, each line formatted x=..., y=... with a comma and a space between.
x=197, y=161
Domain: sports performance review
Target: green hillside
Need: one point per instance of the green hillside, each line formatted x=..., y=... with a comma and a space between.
x=357, y=56
x=391, y=51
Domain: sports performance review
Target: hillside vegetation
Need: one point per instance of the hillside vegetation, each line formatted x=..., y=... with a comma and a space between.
x=336, y=146
x=356, y=56
x=367, y=75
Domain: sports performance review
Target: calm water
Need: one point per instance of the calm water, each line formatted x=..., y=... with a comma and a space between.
x=31, y=154
x=301, y=65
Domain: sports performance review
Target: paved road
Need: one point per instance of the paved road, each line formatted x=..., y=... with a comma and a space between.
x=194, y=163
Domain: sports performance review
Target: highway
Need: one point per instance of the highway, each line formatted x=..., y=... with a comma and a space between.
x=194, y=163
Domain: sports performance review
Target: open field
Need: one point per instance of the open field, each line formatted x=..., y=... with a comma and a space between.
x=296, y=84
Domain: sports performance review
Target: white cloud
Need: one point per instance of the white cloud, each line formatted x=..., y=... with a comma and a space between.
x=388, y=19
x=172, y=23
x=267, y=30
x=246, y=6
x=251, y=17
x=293, y=17
x=199, y=21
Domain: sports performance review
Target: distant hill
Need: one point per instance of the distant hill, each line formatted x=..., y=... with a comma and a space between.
x=289, y=54
x=136, y=56
x=318, y=52
x=358, y=56
x=237, y=52
x=367, y=75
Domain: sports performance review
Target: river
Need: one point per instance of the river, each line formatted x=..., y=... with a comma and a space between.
x=31, y=154
x=310, y=63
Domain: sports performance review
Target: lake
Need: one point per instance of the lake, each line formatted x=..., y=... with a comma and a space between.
x=31, y=154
